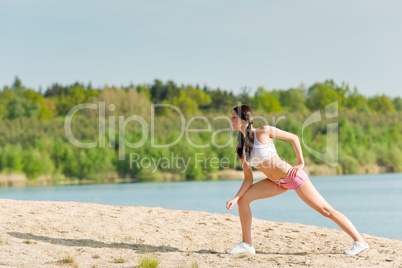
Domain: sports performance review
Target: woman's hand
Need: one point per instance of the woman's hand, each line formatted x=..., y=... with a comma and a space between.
x=293, y=170
x=231, y=203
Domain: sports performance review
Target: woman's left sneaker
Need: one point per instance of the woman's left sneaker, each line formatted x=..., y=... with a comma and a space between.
x=242, y=248
x=357, y=248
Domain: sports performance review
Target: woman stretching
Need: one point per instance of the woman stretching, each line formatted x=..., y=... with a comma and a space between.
x=255, y=148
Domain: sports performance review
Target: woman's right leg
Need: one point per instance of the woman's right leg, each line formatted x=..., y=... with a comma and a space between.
x=313, y=198
x=262, y=189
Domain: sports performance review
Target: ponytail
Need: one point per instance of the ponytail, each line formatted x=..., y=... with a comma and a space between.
x=247, y=142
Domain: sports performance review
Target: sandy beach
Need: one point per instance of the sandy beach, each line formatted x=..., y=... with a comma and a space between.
x=47, y=234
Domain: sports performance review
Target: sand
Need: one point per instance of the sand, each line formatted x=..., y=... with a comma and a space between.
x=44, y=234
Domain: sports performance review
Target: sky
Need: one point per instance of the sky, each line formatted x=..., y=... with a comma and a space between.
x=226, y=44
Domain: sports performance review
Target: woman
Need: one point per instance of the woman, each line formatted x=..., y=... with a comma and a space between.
x=255, y=148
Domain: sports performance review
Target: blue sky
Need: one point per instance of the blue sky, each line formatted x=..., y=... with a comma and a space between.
x=226, y=44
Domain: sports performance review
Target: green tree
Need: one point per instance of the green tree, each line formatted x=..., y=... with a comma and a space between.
x=186, y=104
x=145, y=90
x=160, y=92
x=5, y=97
x=381, y=104
x=36, y=163
x=76, y=94
x=35, y=97
x=264, y=101
x=397, y=103
x=17, y=85
x=20, y=106
x=319, y=95
x=222, y=101
x=11, y=158
x=293, y=100
x=126, y=102
x=356, y=101
x=245, y=97
x=198, y=95
x=56, y=90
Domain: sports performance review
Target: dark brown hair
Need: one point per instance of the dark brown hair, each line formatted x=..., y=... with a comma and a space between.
x=245, y=113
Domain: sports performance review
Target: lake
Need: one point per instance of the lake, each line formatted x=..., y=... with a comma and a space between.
x=372, y=202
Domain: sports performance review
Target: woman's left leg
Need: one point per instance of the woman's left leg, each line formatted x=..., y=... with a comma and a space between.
x=312, y=197
x=262, y=189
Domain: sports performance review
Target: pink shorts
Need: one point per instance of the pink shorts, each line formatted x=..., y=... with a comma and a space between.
x=292, y=183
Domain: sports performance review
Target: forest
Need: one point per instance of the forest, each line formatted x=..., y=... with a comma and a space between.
x=33, y=138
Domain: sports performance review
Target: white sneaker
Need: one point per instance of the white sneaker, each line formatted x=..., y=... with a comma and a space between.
x=357, y=247
x=242, y=248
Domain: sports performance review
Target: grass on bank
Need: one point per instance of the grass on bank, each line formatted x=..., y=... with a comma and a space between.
x=68, y=259
x=148, y=262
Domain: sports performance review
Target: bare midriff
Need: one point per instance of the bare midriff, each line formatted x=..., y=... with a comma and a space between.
x=274, y=168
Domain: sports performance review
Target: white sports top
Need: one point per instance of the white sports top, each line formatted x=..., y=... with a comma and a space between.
x=260, y=153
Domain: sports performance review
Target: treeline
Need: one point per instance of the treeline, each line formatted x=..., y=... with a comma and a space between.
x=33, y=140
x=18, y=101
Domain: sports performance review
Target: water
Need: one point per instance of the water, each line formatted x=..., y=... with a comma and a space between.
x=372, y=202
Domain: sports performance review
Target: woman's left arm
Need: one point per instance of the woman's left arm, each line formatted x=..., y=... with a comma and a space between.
x=280, y=134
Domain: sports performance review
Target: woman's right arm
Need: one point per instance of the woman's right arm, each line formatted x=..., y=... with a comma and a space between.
x=247, y=182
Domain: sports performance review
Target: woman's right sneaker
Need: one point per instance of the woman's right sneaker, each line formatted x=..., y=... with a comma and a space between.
x=242, y=248
x=357, y=248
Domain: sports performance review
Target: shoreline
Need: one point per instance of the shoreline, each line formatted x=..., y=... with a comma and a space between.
x=21, y=180
x=44, y=233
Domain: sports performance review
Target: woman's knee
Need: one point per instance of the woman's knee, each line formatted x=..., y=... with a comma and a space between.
x=327, y=211
x=243, y=201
